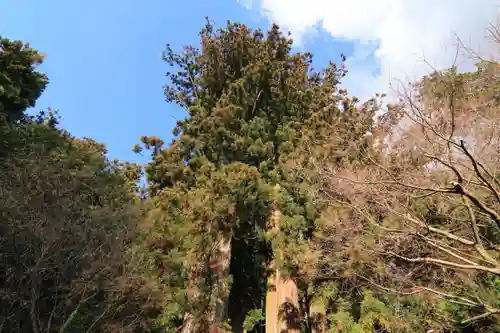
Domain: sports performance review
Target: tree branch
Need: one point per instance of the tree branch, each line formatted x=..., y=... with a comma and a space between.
x=445, y=233
x=397, y=182
x=460, y=178
x=435, y=261
x=75, y=312
x=420, y=289
x=450, y=252
x=481, y=316
x=477, y=239
x=494, y=215
x=475, y=164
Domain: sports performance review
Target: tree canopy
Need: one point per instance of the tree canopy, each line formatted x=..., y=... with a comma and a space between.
x=278, y=185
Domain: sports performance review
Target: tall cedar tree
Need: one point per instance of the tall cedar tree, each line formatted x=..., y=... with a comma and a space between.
x=253, y=105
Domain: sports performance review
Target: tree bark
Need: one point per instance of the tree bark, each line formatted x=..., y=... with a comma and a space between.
x=216, y=310
x=282, y=297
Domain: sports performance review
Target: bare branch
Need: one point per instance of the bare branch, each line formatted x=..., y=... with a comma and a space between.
x=494, y=215
x=477, y=239
x=448, y=251
x=397, y=182
x=445, y=233
x=420, y=289
x=98, y=318
x=457, y=173
x=435, y=261
x=475, y=164
x=72, y=315
x=481, y=316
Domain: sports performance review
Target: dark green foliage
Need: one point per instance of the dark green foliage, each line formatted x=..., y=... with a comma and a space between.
x=20, y=83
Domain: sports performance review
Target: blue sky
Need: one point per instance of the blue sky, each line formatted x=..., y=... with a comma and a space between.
x=104, y=59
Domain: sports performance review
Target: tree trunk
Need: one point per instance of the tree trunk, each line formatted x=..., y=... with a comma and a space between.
x=282, y=313
x=317, y=313
x=216, y=310
x=188, y=325
x=220, y=294
x=272, y=305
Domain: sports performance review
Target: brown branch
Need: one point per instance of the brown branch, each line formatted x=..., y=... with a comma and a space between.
x=424, y=123
x=420, y=289
x=495, y=179
x=35, y=275
x=481, y=316
x=75, y=311
x=460, y=178
x=255, y=101
x=368, y=218
x=446, y=263
x=54, y=308
x=459, y=252
x=477, y=239
x=421, y=196
x=449, y=297
x=494, y=247
x=397, y=182
x=475, y=164
x=34, y=297
x=490, y=212
x=97, y=320
x=450, y=252
x=442, y=232
x=431, y=242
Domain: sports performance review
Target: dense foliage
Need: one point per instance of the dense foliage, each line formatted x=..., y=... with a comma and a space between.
x=67, y=214
x=387, y=224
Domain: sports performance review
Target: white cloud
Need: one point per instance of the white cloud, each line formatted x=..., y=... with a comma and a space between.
x=404, y=30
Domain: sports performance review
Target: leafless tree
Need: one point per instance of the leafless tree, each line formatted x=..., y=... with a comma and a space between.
x=430, y=193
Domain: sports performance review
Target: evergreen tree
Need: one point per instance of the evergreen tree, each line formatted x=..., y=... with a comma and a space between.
x=20, y=83
x=252, y=102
